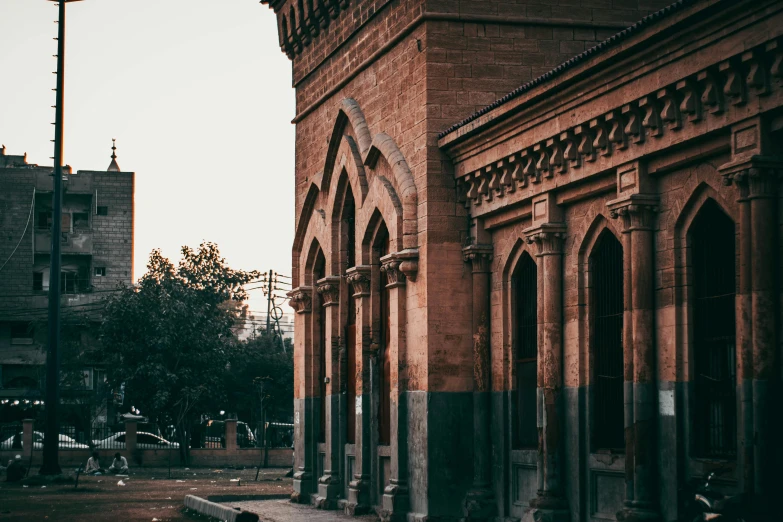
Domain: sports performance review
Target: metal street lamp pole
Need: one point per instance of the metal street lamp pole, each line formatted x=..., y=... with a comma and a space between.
x=51, y=464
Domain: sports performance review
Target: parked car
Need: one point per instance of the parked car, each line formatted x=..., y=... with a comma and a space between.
x=213, y=432
x=143, y=441
x=66, y=442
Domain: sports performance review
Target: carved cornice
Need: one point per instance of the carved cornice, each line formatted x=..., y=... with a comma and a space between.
x=755, y=177
x=299, y=22
x=668, y=109
x=329, y=289
x=479, y=256
x=390, y=266
x=636, y=211
x=301, y=299
x=548, y=238
x=359, y=278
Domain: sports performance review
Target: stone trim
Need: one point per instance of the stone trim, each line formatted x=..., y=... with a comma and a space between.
x=667, y=109
x=303, y=22
x=301, y=299
x=390, y=266
x=636, y=211
x=329, y=288
x=755, y=177
x=480, y=257
x=548, y=238
x=359, y=278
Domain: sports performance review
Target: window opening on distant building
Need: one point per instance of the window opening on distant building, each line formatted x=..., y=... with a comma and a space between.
x=100, y=271
x=102, y=211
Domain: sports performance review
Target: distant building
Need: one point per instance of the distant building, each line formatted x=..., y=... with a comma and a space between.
x=97, y=254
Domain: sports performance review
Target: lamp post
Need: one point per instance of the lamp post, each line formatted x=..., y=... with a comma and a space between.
x=51, y=464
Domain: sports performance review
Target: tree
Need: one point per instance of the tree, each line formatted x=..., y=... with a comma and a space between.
x=170, y=338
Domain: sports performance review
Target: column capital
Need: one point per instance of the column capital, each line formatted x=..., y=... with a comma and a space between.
x=637, y=211
x=548, y=238
x=301, y=299
x=755, y=176
x=329, y=288
x=479, y=256
x=359, y=278
x=390, y=265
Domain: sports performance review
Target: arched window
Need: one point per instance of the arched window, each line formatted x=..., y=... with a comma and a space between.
x=381, y=247
x=606, y=268
x=714, y=344
x=525, y=299
x=349, y=235
x=319, y=270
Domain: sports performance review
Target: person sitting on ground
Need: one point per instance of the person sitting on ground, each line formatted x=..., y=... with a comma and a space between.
x=94, y=465
x=119, y=464
x=15, y=471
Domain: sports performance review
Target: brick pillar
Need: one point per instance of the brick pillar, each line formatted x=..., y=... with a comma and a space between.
x=130, y=437
x=479, y=504
x=358, y=501
x=329, y=484
x=27, y=437
x=758, y=178
x=305, y=444
x=550, y=503
x=395, y=499
x=637, y=215
x=231, y=434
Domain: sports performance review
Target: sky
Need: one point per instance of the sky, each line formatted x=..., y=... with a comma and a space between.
x=197, y=94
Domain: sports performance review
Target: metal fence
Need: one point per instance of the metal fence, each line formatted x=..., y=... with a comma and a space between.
x=280, y=435
x=10, y=436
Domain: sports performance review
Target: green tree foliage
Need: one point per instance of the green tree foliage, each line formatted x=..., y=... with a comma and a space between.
x=262, y=378
x=170, y=338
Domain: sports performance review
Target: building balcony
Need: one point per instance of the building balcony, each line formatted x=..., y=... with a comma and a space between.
x=79, y=242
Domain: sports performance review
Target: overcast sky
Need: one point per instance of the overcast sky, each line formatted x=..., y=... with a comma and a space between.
x=198, y=95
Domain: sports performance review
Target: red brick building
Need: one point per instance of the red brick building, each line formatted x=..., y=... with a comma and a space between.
x=563, y=305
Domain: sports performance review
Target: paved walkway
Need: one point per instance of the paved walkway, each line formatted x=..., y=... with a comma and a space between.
x=285, y=511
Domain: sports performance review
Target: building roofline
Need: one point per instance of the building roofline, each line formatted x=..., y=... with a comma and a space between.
x=610, y=42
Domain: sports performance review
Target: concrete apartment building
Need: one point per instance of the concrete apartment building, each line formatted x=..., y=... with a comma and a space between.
x=537, y=262
x=97, y=254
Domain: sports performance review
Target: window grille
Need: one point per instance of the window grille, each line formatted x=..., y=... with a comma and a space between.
x=713, y=266
x=526, y=301
x=606, y=265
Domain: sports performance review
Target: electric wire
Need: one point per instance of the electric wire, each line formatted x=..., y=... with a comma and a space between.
x=30, y=215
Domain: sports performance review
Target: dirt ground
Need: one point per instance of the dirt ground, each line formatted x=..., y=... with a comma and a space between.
x=148, y=494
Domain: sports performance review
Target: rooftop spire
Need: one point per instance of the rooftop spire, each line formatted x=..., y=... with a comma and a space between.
x=113, y=167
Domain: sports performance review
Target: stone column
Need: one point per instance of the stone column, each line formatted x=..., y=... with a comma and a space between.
x=130, y=437
x=758, y=178
x=329, y=483
x=395, y=496
x=480, y=503
x=637, y=215
x=358, y=501
x=27, y=437
x=301, y=300
x=550, y=503
x=230, y=434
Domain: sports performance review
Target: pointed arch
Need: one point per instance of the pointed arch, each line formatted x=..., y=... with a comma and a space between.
x=348, y=113
x=402, y=181
x=349, y=170
x=699, y=196
x=301, y=230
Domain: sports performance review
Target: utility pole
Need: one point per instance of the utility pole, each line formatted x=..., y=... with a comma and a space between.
x=269, y=303
x=51, y=464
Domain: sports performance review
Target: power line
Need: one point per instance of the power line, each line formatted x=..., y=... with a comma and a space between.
x=32, y=205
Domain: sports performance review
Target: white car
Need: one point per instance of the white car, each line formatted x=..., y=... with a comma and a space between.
x=66, y=442
x=143, y=441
